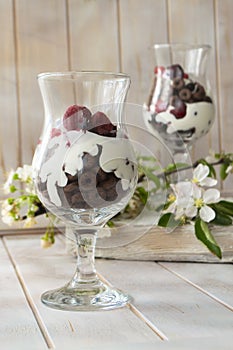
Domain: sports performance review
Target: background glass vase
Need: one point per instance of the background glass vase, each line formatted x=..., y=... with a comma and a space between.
x=180, y=107
x=85, y=171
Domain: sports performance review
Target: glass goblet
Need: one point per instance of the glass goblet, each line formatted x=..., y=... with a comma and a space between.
x=180, y=107
x=85, y=172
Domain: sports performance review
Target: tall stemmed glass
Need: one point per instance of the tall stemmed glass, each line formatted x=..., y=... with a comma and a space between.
x=179, y=107
x=85, y=172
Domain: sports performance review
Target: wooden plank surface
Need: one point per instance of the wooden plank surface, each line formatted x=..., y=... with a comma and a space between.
x=9, y=124
x=93, y=35
x=191, y=22
x=104, y=34
x=180, y=310
x=179, y=245
x=176, y=300
x=142, y=24
x=18, y=327
x=210, y=279
x=41, y=46
x=224, y=37
x=45, y=269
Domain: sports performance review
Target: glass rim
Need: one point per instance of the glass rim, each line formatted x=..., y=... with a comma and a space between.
x=181, y=46
x=72, y=75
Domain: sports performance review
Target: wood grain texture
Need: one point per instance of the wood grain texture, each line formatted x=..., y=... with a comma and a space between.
x=93, y=35
x=191, y=22
x=190, y=304
x=51, y=35
x=142, y=24
x=179, y=245
x=9, y=124
x=178, y=308
x=204, y=277
x=45, y=269
x=18, y=328
x=42, y=46
x=224, y=34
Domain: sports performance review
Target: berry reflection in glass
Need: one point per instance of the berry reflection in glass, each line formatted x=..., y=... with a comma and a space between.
x=85, y=172
x=180, y=107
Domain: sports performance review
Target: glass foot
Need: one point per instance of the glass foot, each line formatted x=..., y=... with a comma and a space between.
x=85, y=298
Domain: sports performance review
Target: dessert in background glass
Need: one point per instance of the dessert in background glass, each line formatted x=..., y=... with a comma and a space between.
x=180, y=107
x=85, y=172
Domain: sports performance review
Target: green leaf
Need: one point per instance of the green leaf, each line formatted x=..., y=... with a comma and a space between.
x=223, y=173
x=152, y=177
x=142, y=193
x=221, y=219
x=148, y=158
x=224, y=207
x=203, y=233
x=110, y=223
x=168, y=220
x=176, y=167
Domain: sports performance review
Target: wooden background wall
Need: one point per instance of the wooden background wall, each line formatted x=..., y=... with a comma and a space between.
x=53, y=35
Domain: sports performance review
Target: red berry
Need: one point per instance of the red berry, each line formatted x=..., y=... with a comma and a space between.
x=175, y=71
x=161, y=106
x=101, y=125
x=159, y=69
x=76, y=118
x=180, y=109
x=55, y=132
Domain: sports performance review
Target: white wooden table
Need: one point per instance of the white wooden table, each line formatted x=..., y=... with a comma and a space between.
x=176, y=305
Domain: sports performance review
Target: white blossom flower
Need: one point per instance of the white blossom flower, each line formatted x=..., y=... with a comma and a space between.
x=45, y=243
x=29, y=222
x=25, y=172
x=201, y=199
x=211, y=157
x=229, y=169
x=180, y=200
x=9, y=182
x=200, y=176
x=7, y=217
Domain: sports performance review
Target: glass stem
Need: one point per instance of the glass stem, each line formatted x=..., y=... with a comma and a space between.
x=85, y=272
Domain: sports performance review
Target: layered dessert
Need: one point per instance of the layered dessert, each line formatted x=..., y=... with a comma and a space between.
x=85, y=164
x=179, y=108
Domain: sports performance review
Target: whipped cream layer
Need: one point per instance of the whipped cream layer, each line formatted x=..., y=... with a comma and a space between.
x=67, y=150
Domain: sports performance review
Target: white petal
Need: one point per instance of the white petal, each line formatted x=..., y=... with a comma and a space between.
x=200, y=172
x=196, y=192
x=179, y=213
x=229, y=169
x=211, y=195
x=191, y=211
x=207, y=214
x=209, y=182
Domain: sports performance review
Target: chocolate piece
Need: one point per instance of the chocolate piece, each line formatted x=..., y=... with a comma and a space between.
x=174, y=71
x=112, y=194
x=185, y=94
x=87, y=181
x=177, y=83
x=111, y=182
x=96, y=198
x=101, y=175
x=71, y=187
x=72, y=178
x=198, y=92
x=89, y=161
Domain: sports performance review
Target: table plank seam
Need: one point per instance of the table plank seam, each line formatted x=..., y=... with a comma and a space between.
x=138, y=313
x=42, y=327
x=204, y=291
